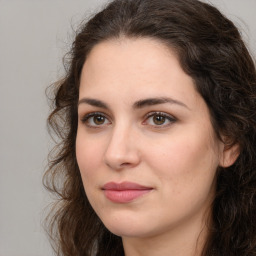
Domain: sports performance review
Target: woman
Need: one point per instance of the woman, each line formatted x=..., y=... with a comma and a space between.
x=157, y=120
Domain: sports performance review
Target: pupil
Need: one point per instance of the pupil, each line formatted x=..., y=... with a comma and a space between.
x=159, y=120
x=99, y=119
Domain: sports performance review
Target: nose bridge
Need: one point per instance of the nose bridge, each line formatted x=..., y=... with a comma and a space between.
x=122, y=149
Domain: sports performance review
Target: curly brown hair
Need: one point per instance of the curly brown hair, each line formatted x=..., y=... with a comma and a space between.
x=211, y=51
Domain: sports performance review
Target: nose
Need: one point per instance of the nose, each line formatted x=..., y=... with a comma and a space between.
x=122, y=150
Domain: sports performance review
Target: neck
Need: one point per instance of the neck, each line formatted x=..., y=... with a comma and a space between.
x=185, y=240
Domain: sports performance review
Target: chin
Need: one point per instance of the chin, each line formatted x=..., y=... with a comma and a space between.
x=129, y=227
x=127, y=231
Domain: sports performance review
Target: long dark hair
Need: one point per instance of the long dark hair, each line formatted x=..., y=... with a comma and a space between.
x=211, y=51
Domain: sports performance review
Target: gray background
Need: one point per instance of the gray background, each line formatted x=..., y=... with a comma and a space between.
x=34, y=35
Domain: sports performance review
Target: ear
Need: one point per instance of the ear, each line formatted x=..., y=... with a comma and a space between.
x=229, y=155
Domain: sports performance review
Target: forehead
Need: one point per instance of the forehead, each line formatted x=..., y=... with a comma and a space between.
x=130, y=54
x=136, y=67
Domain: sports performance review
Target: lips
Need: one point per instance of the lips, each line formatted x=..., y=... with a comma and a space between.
x=124, y=192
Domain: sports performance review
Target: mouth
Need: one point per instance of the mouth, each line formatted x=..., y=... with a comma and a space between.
x=124, y=192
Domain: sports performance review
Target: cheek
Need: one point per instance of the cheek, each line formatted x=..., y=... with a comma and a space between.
x=186, y=176
x=89, y=154
x=185, y=163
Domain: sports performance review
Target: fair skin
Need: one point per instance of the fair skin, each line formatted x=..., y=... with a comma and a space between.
x=166, y=145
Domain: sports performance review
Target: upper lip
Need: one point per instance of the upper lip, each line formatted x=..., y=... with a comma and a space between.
x=124, y=186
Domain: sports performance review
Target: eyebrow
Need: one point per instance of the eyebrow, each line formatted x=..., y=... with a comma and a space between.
x=93, y=102
x=156, y=101
x=137, y=105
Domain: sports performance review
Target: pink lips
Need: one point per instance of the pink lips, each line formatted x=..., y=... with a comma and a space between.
x=124, y=192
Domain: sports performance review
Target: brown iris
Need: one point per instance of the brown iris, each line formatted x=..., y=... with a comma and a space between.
x=99, y=120
x=159, y=120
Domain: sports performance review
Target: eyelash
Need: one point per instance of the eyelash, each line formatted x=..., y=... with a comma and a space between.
x=171, y=119
x=87, y=117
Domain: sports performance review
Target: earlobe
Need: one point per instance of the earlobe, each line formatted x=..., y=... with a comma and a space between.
x=229, y=155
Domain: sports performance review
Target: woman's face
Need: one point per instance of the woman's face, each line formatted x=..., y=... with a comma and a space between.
x=145, y=145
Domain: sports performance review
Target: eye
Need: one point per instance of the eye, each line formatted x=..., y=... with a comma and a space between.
x=159, y=119
x=95, y=120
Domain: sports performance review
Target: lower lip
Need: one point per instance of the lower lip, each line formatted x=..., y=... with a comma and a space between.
x=125, y=196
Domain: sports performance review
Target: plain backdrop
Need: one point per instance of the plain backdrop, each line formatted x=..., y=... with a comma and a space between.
x=34, y=36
